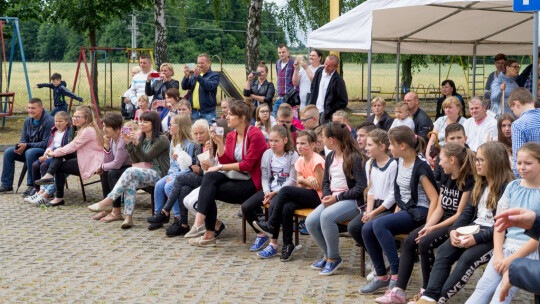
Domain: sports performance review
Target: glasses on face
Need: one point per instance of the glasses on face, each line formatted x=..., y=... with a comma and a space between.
x=514, y=67
x=77, y=117
x=306, y=119
x=264, y=111
x=479, y=161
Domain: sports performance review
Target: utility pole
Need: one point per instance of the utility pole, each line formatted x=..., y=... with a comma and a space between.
x=334, y=13
x=134, y=33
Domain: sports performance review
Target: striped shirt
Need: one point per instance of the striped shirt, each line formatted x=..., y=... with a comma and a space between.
x=284, y=77
x=525, y=129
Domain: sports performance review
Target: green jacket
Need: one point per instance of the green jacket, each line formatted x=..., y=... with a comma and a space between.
x=156, y=153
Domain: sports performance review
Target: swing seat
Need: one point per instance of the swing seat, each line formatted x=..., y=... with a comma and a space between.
x=7, y=100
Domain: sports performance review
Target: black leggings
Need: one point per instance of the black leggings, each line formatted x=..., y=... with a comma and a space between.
x=252, y=208
x=355, y=226
x=59, y=166
x=109, y=179
x=288, y=200
x=426, y=248
x=38, y=170
x=183, y=185
x=442, y=284
x=217, y=186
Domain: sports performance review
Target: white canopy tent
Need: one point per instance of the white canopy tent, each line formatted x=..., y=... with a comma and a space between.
x=437, y=27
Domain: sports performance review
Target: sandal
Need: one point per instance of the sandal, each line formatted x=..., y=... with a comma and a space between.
x=100, y=215
x=111, y=217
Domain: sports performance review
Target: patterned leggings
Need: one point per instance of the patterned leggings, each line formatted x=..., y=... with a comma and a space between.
x=129, y=182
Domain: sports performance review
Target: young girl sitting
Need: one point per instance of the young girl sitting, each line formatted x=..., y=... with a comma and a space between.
x=264, y=120
x=143, y=107
x=471, y=251
x=343, y=192
x=310, y=171
x=512, y=243
x=456, y=185
x=415, y=192
x=277, y=167
x=60, y=135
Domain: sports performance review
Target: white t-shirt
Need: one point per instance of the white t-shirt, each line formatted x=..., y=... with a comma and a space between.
x=484, y=216
x=238, y=152
x=284, y=64
x=57, y=140
x=137, y=88
x=404, y=182
x=382, y=182
x=323, y=86
x=338, y=182
x=305, y=85
x=278, y=166
x=408, y=122
x=478, y=134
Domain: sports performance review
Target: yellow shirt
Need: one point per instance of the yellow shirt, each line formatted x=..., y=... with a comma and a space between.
x=195, y=99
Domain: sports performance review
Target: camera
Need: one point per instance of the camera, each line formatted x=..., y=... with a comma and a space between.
x=256, y=73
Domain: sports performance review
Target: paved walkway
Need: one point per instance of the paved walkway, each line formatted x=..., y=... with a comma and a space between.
x=60, y=255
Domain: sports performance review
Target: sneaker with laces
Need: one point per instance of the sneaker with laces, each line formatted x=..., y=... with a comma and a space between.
x=159, y=218
x=319, y=265
x=6, y=190
x=259, y=243
x=331, y=267
x=287, y=252
x=41, y=200
x=302, y=227
x=264, y=227
x=394, y=296
x=375, y=285
x=29, y=191
x=31, y=198
x=176, y=229
x=268, y=252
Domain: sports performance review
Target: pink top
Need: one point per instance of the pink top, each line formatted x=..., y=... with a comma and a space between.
x=306, y=170
x=89, y=151
x=138, y=114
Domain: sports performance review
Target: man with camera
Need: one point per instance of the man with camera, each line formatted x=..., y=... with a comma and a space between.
x=35, y=134
x=203, y=85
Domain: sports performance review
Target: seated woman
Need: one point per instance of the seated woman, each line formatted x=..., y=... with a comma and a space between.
x=182, y=153
x=238, y=175
x=80, y=157
x=172, y=97
x=159, y=86
x=150, y=157
x=452, y=109
x=380, y=118
x=60, y=136
x=474, y=250
x=502, y=86
x=415, y=193
x=260, y=90
x=343, y=192
x=278, y=172
x=115, y=162
x=448, y=89
x=264, y=120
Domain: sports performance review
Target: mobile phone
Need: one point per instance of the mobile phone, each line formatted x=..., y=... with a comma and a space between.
x=300, y=59
x=160, y=103
x=191, y=66
x=154, y=75
x=219, y=131
x=256, y=73
x=16, y=146
x=126, y=130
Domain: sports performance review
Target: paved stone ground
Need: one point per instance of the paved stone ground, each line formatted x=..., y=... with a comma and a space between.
x=60, y=255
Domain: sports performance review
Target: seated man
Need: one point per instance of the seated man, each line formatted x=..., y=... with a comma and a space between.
x=422, y=123
x=31, y=146
x=309, y=116
x=138, y=85
x=480, y=128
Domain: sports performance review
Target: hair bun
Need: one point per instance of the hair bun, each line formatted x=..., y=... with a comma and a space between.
x=263, y=62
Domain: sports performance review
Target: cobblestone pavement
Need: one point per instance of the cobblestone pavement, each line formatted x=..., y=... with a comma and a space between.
x=60, y=255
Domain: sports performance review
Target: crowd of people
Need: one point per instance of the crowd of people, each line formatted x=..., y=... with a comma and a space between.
x=443, y=184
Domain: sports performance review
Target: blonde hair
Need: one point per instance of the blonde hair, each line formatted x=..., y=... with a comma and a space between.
x=401, y=105
x=143, y=98
x=379, y=137
x=342, y=114
x=90, y=122
x=184, y=102
x=285, y=110
x=378, y=99
x=184, y=129
x=201, y=123
x=169, y=66
x=452, y=100
x=63, y=114
x=133, y=125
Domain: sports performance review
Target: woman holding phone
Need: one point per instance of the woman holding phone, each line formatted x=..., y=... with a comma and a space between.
x=260, y=90
x=163, y=81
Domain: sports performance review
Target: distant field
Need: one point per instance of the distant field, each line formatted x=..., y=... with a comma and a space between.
x=383, y=79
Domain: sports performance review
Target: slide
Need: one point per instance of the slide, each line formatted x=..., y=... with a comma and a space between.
x=228, y=86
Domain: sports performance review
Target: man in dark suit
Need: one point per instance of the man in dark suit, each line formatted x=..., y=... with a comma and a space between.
x=328, y=91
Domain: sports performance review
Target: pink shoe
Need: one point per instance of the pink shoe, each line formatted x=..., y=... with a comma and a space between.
x=392, y=297
x=417, y=296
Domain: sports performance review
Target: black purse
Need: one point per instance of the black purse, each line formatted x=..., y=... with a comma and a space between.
x=292, y=97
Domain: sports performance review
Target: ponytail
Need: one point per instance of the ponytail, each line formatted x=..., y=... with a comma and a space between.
x=465, y=158
x=369, y=179
x=404, y=135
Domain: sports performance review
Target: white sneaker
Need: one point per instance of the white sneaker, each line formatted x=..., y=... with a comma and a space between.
x=372, y=275
x=31, y=198
x=40, y=200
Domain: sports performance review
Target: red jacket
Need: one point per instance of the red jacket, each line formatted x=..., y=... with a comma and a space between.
x=251, y=159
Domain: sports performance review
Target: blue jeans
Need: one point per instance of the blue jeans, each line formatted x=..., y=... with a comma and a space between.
x=379, y=234
x=29, y=156
x=276, y=106
x=322, y=225
x=161, y=189
x=210, y=116
x=63, y=107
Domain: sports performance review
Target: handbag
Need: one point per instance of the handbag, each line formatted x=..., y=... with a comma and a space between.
x=292, y=97
x=238, y=175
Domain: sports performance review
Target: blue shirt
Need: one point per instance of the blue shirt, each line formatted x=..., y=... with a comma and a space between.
x=524, y=130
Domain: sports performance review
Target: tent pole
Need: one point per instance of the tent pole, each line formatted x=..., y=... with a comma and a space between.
x=535, y=57
x=397, y=69
x=474, y=71
x=369, y=81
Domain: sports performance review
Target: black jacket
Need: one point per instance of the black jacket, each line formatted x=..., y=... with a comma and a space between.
x=336, y=94
x=208, y=84
x=158, y=88
x=422, y=124
x=356, y=185
x=522, y=78
x=468, y=216
x=384, y=123
x=267, y=90
x=60, y=92
x=37, y=135
x=420, y=167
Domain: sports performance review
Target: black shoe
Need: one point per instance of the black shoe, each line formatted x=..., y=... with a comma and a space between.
x=159, y=218
x=44, y=181
x=61, y=203
x=286, y=252
x=29, y=191
x=176, y=229
x=154, y=226
x=6, y=190
x=218, y=232
x=264, y=227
